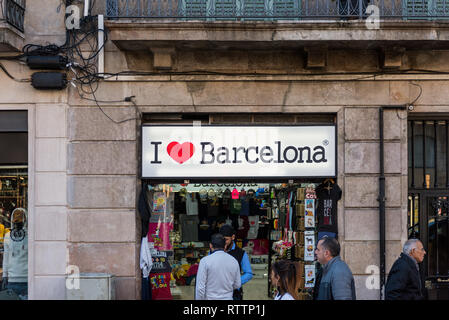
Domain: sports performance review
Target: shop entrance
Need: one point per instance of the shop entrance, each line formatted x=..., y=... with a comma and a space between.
x=428, y=200
x=275, y=220
x=265, y=175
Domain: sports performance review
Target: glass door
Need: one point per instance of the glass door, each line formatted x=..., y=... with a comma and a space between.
x=436, y=243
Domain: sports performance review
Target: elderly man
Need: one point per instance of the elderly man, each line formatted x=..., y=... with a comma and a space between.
x=218, y=273
x=404, y=280
x=337, y=282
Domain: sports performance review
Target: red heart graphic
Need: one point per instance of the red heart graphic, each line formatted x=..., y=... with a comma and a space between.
x=180, y=152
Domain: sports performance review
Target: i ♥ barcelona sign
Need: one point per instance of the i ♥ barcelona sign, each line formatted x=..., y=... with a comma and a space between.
x=188, y=152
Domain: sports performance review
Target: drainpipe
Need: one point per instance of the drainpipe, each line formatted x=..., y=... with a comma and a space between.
x=382, y=198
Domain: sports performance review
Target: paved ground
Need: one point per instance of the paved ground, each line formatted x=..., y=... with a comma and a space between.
x=256, y=289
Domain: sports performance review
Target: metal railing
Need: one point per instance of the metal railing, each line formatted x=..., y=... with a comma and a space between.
x=213, y=10
x=14, y=13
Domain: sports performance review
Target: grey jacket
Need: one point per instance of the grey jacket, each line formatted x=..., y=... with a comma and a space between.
x=337, y=282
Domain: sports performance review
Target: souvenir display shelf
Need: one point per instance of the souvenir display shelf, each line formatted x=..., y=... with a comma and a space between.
x=297, y=242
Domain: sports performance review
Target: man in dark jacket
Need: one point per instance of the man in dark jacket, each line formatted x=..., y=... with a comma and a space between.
x=404, y=280
x=337, y=281
x=242, y=258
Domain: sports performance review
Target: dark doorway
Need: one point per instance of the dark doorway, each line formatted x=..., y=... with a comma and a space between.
x=428, y=198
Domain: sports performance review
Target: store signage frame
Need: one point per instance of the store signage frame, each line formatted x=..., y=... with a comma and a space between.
x=149, y=164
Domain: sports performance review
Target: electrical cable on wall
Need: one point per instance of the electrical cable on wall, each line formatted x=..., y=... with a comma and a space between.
x=11, y=76
x=420, y=92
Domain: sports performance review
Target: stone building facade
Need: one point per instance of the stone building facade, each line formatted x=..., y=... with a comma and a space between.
x=84, y=169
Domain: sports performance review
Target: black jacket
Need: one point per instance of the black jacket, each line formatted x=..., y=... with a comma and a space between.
x=404, y=281
x=144, y=209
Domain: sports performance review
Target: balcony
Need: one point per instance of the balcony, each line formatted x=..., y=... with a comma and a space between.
x=269, y=10
x=140, y=24
x=12, y=25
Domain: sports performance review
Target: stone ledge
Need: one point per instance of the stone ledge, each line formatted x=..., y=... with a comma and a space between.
x=139, y=33
x=11, y=39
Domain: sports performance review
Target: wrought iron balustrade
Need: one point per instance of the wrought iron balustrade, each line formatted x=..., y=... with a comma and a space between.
x=213, y=10
x=14, y=13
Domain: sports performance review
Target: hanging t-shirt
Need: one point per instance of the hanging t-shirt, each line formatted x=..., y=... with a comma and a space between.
x=254, y=207
x=189, y=228
x=236, y=206
x=159, y=203
x=160, y=261
x=203, y=196
x=327, y=207
x=202, y=206
x=262, y=232
x=159, y=233
x=243, y=228
x=213, y=206
x=191, y=204
x=244, y=211
x=282, y=209
x=253, y=227
x=180, y=204
x=205, y=229
x=227, y=194
x=226, y=203
x=162, y=207
x=160, y=286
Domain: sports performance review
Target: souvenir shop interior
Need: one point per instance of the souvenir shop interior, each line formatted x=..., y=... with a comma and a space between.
x=13, y=195
x=272, y=221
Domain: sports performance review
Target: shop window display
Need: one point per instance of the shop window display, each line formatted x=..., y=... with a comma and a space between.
x=13, y=230
x=272, y=222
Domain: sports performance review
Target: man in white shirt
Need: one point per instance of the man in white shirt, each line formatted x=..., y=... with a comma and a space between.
x=218, y=273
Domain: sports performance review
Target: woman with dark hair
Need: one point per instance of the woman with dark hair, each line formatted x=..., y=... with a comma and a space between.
x=283, y=276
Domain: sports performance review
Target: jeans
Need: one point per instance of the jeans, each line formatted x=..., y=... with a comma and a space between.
x=21, y=288
x=146, y=289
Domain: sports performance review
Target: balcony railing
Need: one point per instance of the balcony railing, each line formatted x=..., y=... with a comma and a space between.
x=14, y=13
x=225, y=10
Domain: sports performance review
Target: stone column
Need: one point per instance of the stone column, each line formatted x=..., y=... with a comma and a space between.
x=50, y=211
x=102, y=176
x=361, y=187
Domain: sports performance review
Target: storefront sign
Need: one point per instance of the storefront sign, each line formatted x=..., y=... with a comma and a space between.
x=186, y=152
